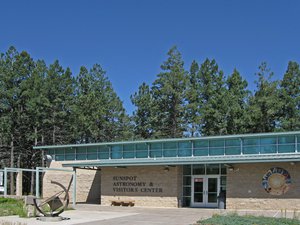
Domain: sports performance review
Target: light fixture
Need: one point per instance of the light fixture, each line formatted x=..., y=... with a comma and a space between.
x=166, y=169
x=121, y=167
x=229, y=167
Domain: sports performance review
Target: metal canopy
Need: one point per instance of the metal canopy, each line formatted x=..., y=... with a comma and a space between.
x=288, y=157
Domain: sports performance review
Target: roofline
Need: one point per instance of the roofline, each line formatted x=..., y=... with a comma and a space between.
x=168, y=140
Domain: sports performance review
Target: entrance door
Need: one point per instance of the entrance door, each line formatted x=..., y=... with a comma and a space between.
x=205, y=191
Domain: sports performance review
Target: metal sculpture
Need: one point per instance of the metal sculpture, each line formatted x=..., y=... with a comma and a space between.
x=56, y=202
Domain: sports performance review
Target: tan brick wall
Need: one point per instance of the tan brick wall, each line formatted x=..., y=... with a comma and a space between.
x=245, y=190
x=147, y=186
x=87, y=187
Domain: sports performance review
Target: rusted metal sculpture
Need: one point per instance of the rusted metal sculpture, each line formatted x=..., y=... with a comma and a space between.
x=57, y=203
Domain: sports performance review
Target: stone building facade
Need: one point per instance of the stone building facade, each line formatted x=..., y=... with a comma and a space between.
x=238, y=172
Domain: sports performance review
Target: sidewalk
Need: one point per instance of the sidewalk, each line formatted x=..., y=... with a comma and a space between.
x=105, y=215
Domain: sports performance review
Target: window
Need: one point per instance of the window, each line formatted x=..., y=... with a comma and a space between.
x=128, y=151
x=286, y=144
x=185, y=148
x=81, y=153
x=170, y=149
x=216, y=147
x=268, y=141
x=141, y=150
x=213, y=169
x=70, y=154
x=201, y=148
x=103, y=152
x=251, y=141
x=116, y=151
x=155, y=150
x=92, y=152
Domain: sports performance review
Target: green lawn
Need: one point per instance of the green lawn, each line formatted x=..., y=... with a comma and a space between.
x=247, y=220
x=9, y=207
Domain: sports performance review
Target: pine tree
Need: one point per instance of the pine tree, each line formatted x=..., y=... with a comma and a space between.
x=99, y=111
x=142, y=116
x=237, y=100
x=59, y=92
x=37, y=102
x=15, y=69
x=169, y=97
x=290, y=97
x=193, y=99
x=265, y=104
x=213, y=105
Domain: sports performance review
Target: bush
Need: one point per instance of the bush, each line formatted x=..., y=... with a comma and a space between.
x=247, y=220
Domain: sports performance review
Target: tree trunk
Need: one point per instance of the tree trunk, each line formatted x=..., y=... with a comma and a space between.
x=53, y=135
x=12, y=181
x=32, y=181
x=33, y=173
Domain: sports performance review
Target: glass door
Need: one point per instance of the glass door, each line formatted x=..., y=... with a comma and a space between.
x=213, y=186
x=205, y=191
x=198, y=191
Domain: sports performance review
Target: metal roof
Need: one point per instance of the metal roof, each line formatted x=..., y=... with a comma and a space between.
x=287, y=157
x=169, y=140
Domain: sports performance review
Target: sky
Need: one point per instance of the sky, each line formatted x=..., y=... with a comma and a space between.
x=130, y=38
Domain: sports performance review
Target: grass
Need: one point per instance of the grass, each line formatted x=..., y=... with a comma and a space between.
x=9, y=207
x=247, y=220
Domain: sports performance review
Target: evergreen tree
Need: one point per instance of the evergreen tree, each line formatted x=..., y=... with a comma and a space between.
x=169, y=97
x=59, y=92
x=15, y=68
x=213, y=105
x=193, y=99
x=265, y=104
x=37, y=102
x=290, y=98
x=237, y=100
x=142, y=116
x=99, y=111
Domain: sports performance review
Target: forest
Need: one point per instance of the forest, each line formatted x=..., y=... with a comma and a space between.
x=44, y=104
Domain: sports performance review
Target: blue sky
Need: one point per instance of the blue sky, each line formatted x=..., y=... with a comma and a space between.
x=130, y=39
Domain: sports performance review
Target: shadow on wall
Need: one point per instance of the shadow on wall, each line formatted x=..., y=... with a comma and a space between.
x=94, y=195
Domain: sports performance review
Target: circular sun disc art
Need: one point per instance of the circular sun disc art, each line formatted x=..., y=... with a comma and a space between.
x=276, y=181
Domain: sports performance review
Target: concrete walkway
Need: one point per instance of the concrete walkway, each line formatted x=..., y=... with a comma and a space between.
x=105, y=215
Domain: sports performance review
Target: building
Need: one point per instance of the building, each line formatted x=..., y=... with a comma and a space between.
x=251, y=171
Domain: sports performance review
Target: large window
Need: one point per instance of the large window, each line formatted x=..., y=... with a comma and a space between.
x=190, y=148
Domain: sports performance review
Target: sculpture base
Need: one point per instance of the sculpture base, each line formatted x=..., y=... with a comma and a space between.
x=51, y=219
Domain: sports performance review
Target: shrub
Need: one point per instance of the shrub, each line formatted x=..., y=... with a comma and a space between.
x=10, y=206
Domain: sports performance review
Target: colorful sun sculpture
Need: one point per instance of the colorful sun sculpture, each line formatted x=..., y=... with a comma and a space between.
x=276, y=181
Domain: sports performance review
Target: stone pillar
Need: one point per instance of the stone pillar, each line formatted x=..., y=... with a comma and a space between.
x=19, y=185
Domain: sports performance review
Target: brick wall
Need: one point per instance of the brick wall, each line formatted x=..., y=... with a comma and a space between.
x=88, y=183
x=245, y=190
x=148, y=186
x=156, y=187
